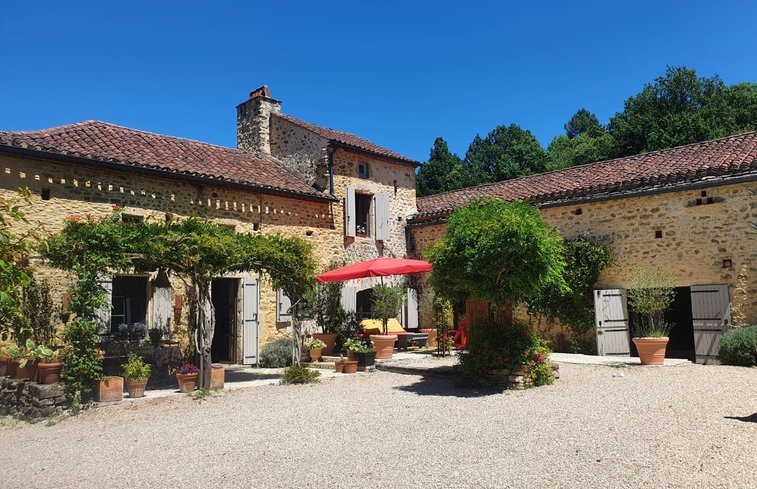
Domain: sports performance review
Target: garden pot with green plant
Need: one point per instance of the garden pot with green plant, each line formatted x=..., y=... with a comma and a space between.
x=315, y=347
x=362, y=353
x=186, y=375
x=49, y=366
x=387, y=302
x=651, y=292
x=136, y=373
x=28, y=359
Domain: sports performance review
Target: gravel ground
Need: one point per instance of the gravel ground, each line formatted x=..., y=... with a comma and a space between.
x=662, y=427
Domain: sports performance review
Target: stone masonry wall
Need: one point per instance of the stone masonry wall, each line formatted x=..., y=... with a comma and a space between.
x=695, y=239
x=31, y=401
x=81, y=190
x=300, y=150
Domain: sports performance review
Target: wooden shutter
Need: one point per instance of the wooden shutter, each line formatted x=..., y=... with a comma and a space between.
x=349, y=213
x=284, y=306
x=411, y=316
x=349, y=298
x=711, y=315
x=250, y=295
x=162, y=305
x=102, y=315
x=382, y=217
x=611, y=313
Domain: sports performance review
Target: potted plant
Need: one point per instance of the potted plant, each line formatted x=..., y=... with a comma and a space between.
x=109, y=388
x=156, y=336
x=315, y=346
x=387, y=302
x=365, y=356
x=349, y=367
x=350, y=346
x=325, y=304
x=27, y=360
x=49, y=366
x=186, y=375
x=136, y=372
x=651, y=293
x=339, y=365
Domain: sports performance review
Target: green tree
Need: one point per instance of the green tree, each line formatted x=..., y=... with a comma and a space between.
x=681, y=108
x=500, y=252
x=564, y=152
x=583, y=122
x=443, y=172
x=507, y=152
x=386, y=303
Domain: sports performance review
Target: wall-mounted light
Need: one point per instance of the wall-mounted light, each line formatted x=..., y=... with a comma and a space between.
x=727, y=263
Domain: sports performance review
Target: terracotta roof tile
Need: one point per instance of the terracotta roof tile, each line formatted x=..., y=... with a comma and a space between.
x=104, y=142
x=347, y=139
x=690, y=163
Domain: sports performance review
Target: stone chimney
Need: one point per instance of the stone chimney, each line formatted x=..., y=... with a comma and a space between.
x=254, y=121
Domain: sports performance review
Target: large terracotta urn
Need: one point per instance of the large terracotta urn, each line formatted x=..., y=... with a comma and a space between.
x=651, y=350
x=329, y=339
x=384, y=345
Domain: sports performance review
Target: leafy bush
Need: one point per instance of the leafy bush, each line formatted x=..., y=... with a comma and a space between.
x=494, y=347
x=299, y=375
x=651, y=292
x=277, y=354
x=135, y=368
x=387, y=302
x=82, y=362
x=739, y=347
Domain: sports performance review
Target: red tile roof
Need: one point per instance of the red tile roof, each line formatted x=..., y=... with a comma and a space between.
x=683, y=164
x=102, y=142
x=347, y=139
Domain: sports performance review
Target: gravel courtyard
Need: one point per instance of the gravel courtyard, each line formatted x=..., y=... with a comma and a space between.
x=662, y=427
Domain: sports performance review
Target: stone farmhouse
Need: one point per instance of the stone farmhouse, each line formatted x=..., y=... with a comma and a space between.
x=347, y=196
x=691, y=209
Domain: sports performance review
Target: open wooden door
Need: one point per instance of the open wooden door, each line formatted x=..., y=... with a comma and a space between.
x=250, y=296
x=611, y=313
x=711, y=314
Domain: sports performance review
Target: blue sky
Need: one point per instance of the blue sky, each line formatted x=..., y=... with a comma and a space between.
x=398, y=73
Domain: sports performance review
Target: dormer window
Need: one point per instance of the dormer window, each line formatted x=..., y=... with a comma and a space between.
x=362, y=169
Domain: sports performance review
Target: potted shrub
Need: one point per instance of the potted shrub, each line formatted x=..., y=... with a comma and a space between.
x=350, y=346
x=136, y=373
x=651, y=293
x=387, y=302
x=363, y=354
x=315, y=346
x=49, y=366
x=27, y=360
x=109, y=388
x=186, y=375
x=324, y=303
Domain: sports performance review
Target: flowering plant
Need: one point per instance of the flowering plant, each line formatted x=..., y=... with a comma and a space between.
x=187, y=368
x=131, y=331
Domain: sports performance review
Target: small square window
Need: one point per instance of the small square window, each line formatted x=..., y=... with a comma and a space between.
x=45, y=194
x=362, y=169
x=658, y=234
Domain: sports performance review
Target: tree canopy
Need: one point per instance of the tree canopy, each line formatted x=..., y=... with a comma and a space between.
x=501, y=252
x=506, y=152
x=443, y=172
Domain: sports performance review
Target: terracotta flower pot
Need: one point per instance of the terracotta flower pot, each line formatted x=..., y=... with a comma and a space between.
x=339, y=366
x=217, y=376
x=431, y=332
x=49, y=373
x=384, y=345
x=12, y=366
x=350, y=355
x=136, y=387
x=28, y=371
x=4, y=361
x=109, y=389
x=350, y=366
x=187, y=382
x=315, y=354
x=329, y=339
x=651, y=350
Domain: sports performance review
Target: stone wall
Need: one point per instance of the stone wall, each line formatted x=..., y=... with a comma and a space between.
x=692, y=244
x=300, y=150
x=83, y=190
x=31, y=401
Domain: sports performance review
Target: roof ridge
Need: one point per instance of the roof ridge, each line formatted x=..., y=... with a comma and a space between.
x=585, y=165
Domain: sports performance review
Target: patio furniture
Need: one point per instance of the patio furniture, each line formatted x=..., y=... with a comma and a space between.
x=374, y=326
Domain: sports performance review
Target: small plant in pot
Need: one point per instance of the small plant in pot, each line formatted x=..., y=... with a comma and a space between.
x=362, y=352
x=28, y=358
x=186, y=375
x=315, y=346
x=136, y=373
x=651, y=292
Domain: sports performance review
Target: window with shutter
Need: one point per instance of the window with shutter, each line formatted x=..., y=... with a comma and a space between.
x=349, y=213
x=382, y=217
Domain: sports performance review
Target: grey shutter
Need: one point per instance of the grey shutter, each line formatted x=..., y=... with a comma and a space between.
x=250, y=321
x=284, y=306
x=611, y=313
x=162, y=304
x=349, y=298
x=102, y=315
x=382, y=217
x=411, y=317
x=349, y=213
x=711, y=315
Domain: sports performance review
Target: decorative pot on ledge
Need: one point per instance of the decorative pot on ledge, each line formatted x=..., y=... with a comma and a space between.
x=49, y=373
x=109, y=389
x=384, y=345
x=28, y=371
x=651, y=349
x=136, y=387
x=350, y=366
x=329, y=339
x=187, y=382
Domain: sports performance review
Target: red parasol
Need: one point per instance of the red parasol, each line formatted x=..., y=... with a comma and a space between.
x=378, y=267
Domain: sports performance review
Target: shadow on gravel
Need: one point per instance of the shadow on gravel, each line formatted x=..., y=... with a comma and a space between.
x=752, y=418
x=450, y=387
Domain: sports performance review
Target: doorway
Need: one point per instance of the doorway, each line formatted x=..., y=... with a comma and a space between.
x=364, y=303
x=681, y=344
x=224, y=296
